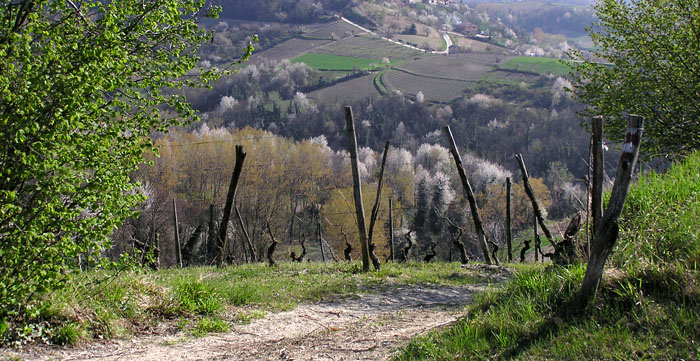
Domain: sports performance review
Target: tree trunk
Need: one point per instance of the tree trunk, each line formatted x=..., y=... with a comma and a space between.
x=320, y=241
x=607, y=232
x=533, y=200
x=221, y=241
x=478, y=225
x=357, y=188
x=375, y=210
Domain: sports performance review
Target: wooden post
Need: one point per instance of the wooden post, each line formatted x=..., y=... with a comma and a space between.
x=375, y=210
x=509, y=234
x=598, y=162
x=177, y=235
x=320, y=241
x=533, y=200
x=221, y=241
x=478, y=225
x=251, y=249
x=538, y=243
x=392, y=256
x=357, y=188
x=608, y=229
x=211, y=237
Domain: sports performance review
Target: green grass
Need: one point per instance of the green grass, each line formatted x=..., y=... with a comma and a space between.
x=536, y=65
x=659, y=225
x=204, y=299
x=538, y=316
x=335, y=62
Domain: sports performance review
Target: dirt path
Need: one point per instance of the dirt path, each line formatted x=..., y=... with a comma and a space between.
x=368, y=327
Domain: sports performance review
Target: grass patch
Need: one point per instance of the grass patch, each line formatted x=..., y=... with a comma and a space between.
x=209, y=325
x=537, y=65
x=335, y=62
x=537, y=316
x=119, y=304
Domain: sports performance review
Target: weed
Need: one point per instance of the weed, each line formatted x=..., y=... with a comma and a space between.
x=208, y=325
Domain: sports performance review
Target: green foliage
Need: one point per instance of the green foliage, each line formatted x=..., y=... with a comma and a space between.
x=81, y=90
x=659, y=225
x=655, y=54
x=67, y=334
x=537, y=316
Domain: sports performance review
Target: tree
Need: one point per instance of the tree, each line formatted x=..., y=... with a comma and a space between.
x=654, y=52
x=82, y=88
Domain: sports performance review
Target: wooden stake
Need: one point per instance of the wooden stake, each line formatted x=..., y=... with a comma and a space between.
x=608, y=229
x=531, y=194
x=478, y=225
x=251, y=249
x=392, y=256
x=509, y=234
x=320, y=241
x=237, y=169
x=375, y=210
x=177, y=235
x=598, y=162
x=357, y=188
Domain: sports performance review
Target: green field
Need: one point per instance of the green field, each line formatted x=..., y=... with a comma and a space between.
x=335, y=62
x=536, y=65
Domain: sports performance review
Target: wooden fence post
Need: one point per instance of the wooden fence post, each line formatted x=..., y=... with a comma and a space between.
x=598, y=162
x=478, y=225
x=509, y=234
x=177, y=235
x=375, y=210
x=357, y=188
x=237, y=169
x=607, y=232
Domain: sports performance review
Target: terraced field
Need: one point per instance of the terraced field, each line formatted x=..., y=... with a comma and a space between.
x=291, y=48
x=368, y=46
x=334, y=62
x=447, y=67
x=434, y=89
x=346, y=92
x=536, y=65
x=507, y=77
x=341, y=29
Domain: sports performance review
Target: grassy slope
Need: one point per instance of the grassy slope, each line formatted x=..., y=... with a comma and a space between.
x=647, y=309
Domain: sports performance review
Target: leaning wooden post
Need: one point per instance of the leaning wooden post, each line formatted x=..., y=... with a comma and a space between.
x=531, y=194
x=177, y=235
x=607, y=231
x=221, y=241
x=392, y=256
x=320, y=241
x=251, y=249
x=478, y=225
x=357, y=188
x=597, y=194
x=375, y=210
x=509, y=234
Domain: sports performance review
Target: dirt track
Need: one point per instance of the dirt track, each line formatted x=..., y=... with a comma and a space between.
x=368, y=327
